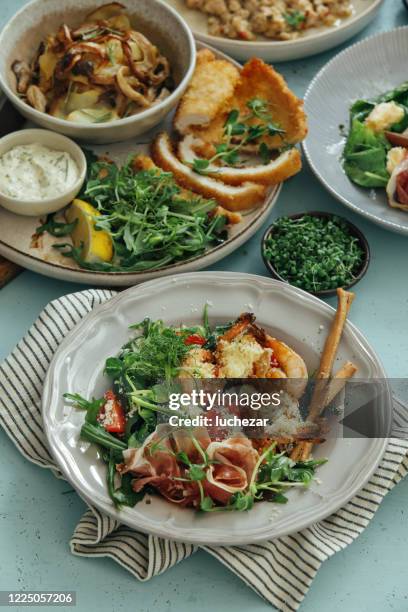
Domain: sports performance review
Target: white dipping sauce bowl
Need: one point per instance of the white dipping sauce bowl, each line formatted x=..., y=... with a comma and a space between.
x=30, y=207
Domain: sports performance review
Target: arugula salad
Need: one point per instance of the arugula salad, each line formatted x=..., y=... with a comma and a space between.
x=376, y=149
x=196, y=467
x=133, y=218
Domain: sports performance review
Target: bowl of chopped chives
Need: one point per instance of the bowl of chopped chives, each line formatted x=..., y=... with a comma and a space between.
x=316, y=251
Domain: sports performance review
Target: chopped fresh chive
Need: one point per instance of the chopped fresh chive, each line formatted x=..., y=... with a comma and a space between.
x=314, y=253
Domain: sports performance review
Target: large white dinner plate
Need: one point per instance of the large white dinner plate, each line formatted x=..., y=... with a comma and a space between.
x=291, y=314
x=364, y=70
x=18, y=242
x=311, y=42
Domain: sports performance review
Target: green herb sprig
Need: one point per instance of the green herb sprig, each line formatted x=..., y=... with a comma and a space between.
x=244, y=128
x=295, y=19
x=56, y=228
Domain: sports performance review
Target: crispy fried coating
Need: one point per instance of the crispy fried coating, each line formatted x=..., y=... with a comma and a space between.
x=143, y=163
x=209, y=93
x=258, y=80
x=233, y=198
x=285, y=165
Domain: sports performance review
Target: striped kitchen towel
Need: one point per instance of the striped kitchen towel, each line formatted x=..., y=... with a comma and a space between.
x=281, y=571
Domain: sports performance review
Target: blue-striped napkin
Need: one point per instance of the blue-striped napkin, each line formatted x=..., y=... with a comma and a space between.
x=281, y=571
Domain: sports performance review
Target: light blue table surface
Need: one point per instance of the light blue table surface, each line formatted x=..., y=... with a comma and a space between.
x=37, y=518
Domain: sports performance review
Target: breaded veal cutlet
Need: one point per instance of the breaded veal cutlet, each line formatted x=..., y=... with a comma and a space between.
x=209, y=94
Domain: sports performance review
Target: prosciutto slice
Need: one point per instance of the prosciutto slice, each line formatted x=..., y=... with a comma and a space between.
x=231, y=465
x=235, y=462
x=183, y=442
x=402, y=187
x=153, y=463
x=397, y=188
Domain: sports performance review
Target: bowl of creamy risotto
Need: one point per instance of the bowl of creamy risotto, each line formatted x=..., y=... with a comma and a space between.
x=275, y=30
x=40, y=171
x=275, y=20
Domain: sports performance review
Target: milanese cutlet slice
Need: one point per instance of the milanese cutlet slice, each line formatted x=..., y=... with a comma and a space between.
x=287, y=164
x=209, y=93
x=233, y=198
x=259, y=80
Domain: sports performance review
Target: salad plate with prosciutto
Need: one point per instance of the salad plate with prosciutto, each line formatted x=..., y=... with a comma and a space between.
x=203, y=472
x=376, y=151
x=358, y=137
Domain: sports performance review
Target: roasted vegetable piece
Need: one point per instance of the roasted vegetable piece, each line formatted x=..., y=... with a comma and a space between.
x=112, y=416
x=23, y=75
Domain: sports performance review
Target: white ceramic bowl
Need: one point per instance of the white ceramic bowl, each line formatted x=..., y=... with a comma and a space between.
x=159, y=22
x=54, y=141
x=313, y=41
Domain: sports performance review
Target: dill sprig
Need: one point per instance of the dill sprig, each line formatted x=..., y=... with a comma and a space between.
x=157, y=353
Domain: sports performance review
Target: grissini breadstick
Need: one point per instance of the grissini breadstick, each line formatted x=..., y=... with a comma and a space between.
x=339, y=380
x=302, y=450
x=344, y=301
x=321, y=390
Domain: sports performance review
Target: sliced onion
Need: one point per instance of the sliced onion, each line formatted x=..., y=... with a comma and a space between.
x=64, y=35
x=127, y=89
x=88, y=47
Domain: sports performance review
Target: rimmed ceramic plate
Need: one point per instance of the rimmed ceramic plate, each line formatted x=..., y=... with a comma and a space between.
x=19, y=244
x=290, y=314
x=363, y=70
x=311, y=42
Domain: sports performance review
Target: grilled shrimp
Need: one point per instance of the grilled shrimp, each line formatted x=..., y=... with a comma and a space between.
x=290, y=364
x=243, y=322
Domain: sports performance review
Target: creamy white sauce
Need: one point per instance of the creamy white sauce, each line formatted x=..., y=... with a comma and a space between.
x=36, y=172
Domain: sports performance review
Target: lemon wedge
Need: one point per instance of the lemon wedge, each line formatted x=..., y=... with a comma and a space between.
x=97, y=244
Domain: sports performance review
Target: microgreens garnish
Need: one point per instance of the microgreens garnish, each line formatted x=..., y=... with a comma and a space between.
x=241, y=130
x=152, y=223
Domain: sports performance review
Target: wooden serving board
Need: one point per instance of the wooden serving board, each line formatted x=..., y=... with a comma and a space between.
x=8, y=271
x=11, y=120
